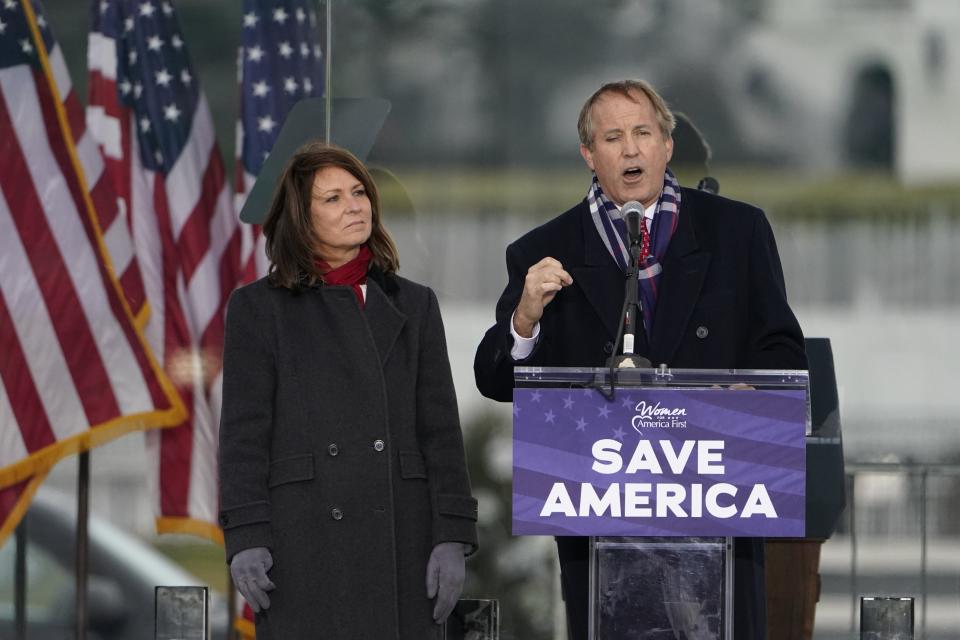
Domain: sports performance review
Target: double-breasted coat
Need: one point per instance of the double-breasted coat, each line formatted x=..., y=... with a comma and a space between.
x=722, y=304
x=341, y=452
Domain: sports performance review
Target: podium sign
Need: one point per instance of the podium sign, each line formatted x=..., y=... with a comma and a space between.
x=715, y=461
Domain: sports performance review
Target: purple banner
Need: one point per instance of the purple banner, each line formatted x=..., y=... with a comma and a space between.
x=667, y=462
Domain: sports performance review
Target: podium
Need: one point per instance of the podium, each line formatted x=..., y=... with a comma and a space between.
x=661, y=469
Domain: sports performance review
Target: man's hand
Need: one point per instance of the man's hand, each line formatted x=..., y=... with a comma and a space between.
x=445, y=573
x=249, y=572
x=541, y=285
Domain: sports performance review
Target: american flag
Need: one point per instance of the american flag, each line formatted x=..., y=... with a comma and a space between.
x=280, y=62
x=75, y=371
x=154, y=126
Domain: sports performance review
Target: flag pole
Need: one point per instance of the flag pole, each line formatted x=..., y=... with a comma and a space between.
x=20, y=582
x=328, y=71
x=83, y=511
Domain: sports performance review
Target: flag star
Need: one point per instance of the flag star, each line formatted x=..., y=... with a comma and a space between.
x=104, y=6
x=185, y=77
x=250, y=19
x=176, y=41
x=549, y=417
x=261, y=89
x=290, y=85
x=568, y=403
x=604, y=411
x=128, y=24
x=3, y=26
x=255, y=53
x=285, y=49
x=144, y=124
x=280, y=15
x=313, y=18
x=163, y=77
x=167, y=9
x=171, y=113
x=26, y=46
x=10, y=4
x=137, y=89
x=317, y=53
x=307, y=85
x=301, y=16
x=581, y=424
x=158, y=156
x=41, y=21
x=154, y=43
x=132, y=57
x=125, y=87
x=618, y=433
x=266, y=124
x=147, y=9
x=304, y=50
x=535, y=396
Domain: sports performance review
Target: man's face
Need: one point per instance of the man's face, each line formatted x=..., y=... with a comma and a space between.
x=629, y=153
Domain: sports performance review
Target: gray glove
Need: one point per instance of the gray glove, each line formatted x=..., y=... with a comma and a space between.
x=248, y=568
x=445, y=573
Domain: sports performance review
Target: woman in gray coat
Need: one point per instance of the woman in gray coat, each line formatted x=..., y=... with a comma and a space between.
x=345, y=501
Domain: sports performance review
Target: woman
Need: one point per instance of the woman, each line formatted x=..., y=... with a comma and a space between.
x=342, y=471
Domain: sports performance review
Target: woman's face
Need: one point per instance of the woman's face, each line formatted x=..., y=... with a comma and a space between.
x=341, y=215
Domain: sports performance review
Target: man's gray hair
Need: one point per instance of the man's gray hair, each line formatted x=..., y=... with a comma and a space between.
x=626, y=88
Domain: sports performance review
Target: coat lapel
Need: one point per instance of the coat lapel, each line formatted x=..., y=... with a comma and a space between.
x=599, y=277
x=684, y=270
x=384, y=319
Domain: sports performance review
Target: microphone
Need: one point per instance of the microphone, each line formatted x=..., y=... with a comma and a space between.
x=633, y=212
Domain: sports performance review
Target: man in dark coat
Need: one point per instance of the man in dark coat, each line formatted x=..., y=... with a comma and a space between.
x=715, y=296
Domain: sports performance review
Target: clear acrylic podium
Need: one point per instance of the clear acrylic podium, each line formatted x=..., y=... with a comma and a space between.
x=670, y=586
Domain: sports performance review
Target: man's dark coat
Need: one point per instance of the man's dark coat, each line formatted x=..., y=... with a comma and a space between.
x=341, y=452
x=721, y=305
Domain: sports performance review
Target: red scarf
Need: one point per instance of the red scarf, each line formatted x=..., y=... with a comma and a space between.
x=352, y=273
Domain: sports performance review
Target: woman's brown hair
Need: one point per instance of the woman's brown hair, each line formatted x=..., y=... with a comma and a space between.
x=288, y=228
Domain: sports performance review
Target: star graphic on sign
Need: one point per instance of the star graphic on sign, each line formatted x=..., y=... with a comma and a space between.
x=618, y=433
x=266, y=124
x=255, y=53
x=261, y=89
x=290, y=85
x=516, y=410
x=549, y=416
x=627, y=402
x=250, y=19
x=171, y=113
x=604, y=411
x=581, y=424
x=280, y=15
x=285, y=49
x=163, y=77
x=568, y=403
x=535, y=396
x=147, y=9
x=154, y=43
x=185, y=77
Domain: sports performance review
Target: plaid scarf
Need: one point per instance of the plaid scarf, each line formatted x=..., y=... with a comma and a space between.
x=613, y=231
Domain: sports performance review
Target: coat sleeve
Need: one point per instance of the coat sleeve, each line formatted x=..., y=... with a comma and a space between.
x=246, y=425
x=775, y=340
x=493, y=364
x=440, y=438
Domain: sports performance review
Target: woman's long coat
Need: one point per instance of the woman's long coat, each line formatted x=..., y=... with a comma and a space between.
x=341, y=452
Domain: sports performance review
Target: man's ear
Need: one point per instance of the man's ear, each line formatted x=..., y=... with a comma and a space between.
x=587, y=155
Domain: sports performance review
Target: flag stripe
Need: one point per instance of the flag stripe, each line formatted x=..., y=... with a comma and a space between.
x=195, y=236
x=25, y=405
x=182, y=184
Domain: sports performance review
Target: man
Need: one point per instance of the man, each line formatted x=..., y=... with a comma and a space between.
x=713, y=296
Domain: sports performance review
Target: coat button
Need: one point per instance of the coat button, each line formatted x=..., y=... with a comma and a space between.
x=336, y=514
x=702, y=332
x=608, y=348
x=378, y=445
x=333, y=449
